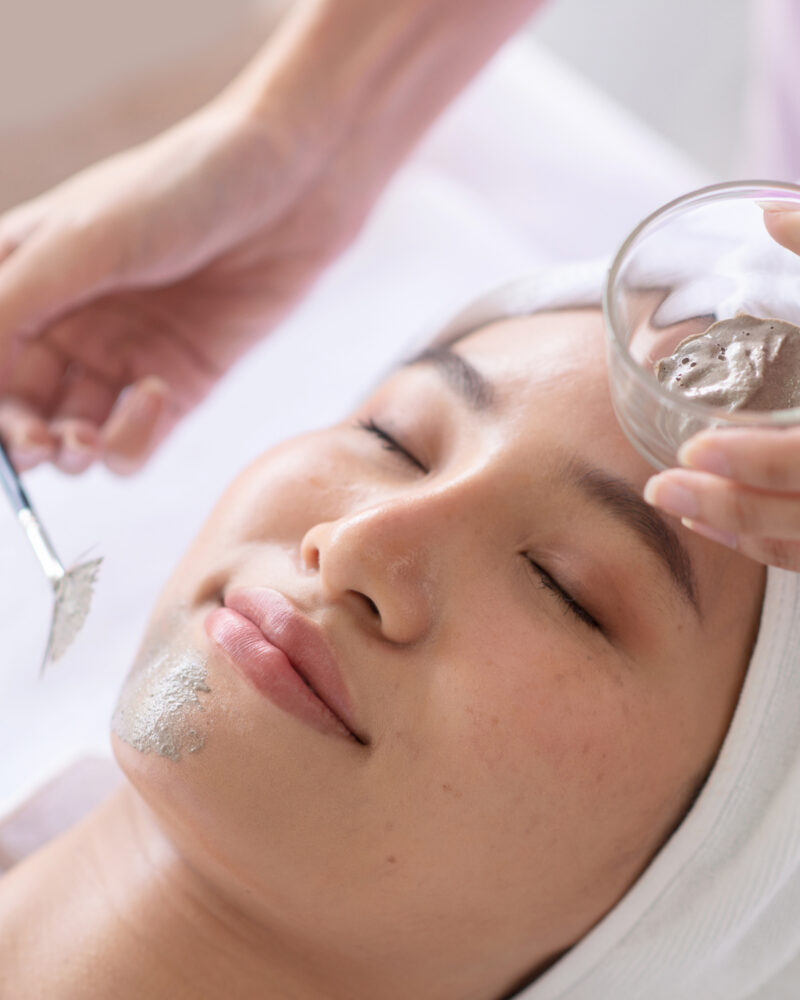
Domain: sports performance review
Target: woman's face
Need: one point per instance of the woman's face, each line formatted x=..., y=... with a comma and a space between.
x=540, y=670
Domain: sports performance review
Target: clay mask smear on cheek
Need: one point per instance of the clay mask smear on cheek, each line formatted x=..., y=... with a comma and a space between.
x=159, y=708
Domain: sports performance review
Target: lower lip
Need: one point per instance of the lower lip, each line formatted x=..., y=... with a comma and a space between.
x=269, y=670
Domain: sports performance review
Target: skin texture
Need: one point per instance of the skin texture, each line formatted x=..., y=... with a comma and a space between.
x=521, y=767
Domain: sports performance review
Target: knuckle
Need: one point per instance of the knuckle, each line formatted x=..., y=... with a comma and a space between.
x=778, y=460
x=781, y=552
x=746, y=515
x=776, y=472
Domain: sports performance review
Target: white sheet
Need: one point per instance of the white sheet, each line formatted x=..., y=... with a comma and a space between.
x=531, y=166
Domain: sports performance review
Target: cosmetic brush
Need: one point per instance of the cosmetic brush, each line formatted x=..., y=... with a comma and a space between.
x=72, y=587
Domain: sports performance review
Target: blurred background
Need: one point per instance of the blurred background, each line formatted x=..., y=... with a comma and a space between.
x=683, y=67
x=84, y=78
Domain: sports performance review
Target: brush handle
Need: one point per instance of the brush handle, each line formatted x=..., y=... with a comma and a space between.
x=11, y=483
x=41, y=544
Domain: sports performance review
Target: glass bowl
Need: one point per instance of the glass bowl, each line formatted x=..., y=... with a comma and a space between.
x=704, y=257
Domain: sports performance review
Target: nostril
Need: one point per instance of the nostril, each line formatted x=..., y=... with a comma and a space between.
x=309, y=557
x=371, y=605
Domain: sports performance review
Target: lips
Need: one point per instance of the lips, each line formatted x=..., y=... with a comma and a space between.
x=285, y=656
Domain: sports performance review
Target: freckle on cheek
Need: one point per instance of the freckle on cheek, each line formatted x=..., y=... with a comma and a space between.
x=487, y=746
x=452, y=791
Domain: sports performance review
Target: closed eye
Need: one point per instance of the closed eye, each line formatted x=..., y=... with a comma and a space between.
x=390, y=443
x=569, y=602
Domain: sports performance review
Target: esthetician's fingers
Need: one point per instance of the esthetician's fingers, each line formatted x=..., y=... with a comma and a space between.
x=85, y=396
x=77, y=444
x=46, y=276
x=766, y=459
x=142, y=417
x=35, y=376
x=25, y=434
x=63, y=249
x=783, y=225
x=55, y=409
x=781, y=552
x=770, y=551
x=762, y=524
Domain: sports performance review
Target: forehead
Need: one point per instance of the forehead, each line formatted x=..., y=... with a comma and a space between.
x=559, y=336
x=550, y=370
x=552, y=379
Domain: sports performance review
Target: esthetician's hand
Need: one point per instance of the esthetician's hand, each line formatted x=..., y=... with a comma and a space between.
x=127, y=291
x=742, y=487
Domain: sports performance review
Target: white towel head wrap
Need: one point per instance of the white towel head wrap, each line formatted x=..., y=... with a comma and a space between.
x=716, y=915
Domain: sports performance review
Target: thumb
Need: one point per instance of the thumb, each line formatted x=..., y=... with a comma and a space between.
x=142, y=417
x=783, y=225
x=52, y=272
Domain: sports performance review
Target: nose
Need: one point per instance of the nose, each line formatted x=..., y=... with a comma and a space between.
x=388, y=562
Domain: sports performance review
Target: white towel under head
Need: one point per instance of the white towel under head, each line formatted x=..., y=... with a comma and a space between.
x=716, y=915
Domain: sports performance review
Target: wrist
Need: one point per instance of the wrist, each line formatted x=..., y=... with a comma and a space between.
x=355, y=72
x=316, y=72
x=291, y=115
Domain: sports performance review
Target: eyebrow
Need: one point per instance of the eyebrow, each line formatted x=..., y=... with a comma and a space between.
x=615, y=495
x=462, y=376
x=622, y=501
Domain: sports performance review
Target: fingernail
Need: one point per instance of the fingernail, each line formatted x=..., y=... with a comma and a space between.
x=723, y=537
x=27, y=456
x=81, y=442
x=74, y=460
x=779, y=206
x=671, y=497
x=704, y=456
x=76, y=453
x=81, y=438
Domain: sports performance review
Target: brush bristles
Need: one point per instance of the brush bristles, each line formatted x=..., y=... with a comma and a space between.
x=73, y=599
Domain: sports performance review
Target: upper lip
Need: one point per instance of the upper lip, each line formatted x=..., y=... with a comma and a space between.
x=303, y=643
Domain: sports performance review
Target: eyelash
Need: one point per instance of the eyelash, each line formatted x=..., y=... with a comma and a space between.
x=392, y=444
x=564, y=596
x=389, y=443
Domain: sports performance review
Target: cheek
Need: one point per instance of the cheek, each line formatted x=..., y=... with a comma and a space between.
x=277, y=499
x=567, y=744
x=284, y=492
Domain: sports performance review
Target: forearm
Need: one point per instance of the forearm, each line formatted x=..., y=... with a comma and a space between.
x=369, y=76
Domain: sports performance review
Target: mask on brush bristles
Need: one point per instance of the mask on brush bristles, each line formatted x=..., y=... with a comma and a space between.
x=73, y=594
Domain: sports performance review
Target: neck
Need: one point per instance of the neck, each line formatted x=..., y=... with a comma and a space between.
x=78, y=917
